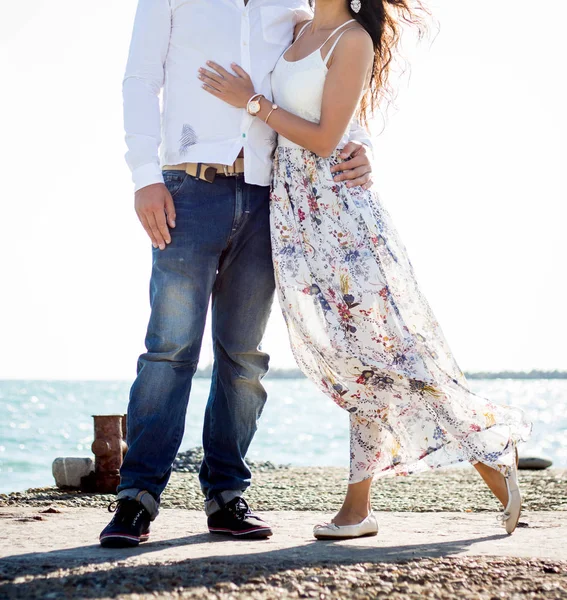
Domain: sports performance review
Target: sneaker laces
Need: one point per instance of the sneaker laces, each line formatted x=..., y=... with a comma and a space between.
x=239, y=508
x=126, y=509
x=118, y=504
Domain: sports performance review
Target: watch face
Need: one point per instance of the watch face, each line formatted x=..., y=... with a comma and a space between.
x=254, y=107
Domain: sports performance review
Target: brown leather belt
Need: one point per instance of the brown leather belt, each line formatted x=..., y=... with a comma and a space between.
x=208, y=171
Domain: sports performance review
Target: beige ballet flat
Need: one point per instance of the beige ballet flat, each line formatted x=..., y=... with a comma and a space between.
x=511, y=514
x=330, y=531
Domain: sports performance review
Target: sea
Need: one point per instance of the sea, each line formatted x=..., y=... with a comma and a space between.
x=43, y=420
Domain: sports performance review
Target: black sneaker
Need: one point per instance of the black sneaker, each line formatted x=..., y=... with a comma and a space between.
x=129, y=526
x=235, y=518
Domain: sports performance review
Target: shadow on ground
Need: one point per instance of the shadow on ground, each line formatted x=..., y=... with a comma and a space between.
x=109, y=572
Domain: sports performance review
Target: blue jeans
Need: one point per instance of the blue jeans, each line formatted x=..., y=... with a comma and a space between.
x=220, y=249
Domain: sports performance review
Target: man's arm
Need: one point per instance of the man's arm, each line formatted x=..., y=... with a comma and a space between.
x=358, y=133
x=143, y=80
x=302, y=11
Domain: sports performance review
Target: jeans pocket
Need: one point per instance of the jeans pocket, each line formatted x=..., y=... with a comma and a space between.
x=174, y=181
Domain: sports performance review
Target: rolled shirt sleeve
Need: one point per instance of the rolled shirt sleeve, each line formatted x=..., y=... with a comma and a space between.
x=358, y=133
x=143, y=80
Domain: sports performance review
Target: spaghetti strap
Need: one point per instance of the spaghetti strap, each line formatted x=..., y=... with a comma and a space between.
x=326, y=61
x=298, y=36
x=301, y=32
x=335, y=31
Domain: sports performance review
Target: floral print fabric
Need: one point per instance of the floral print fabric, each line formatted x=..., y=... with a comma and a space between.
x=361, y=329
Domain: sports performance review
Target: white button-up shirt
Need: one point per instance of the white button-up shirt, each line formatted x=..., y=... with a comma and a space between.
x=170, y=41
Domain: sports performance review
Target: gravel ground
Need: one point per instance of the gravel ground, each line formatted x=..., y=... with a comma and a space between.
x=190, y=462
x=478, y=578
x=323, y=488
x=308, y=488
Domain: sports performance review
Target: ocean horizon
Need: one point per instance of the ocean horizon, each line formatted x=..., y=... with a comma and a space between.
x=41, y=420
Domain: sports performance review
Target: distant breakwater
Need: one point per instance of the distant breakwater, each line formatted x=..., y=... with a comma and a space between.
x=205, y=372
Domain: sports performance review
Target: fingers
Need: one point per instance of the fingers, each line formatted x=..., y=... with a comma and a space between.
x=220, y=70
x=162, y=227
x=352, y=149
x=157, y=226
x=240, y=71
x=170, y=210
x=353, y=175
x=211, y=77
x=365, y=181
x=235, y=89
x=347, y=165
x=361, y=176
x=212, y=90
x=147, y=228
x=213, y=85
x=211, y=81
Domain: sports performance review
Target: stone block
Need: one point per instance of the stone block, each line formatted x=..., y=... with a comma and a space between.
x=69, y=470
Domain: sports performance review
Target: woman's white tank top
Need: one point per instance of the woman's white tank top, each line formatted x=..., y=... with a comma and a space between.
x=298, y=86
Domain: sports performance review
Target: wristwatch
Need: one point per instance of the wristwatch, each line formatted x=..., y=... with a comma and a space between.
x=253, y=107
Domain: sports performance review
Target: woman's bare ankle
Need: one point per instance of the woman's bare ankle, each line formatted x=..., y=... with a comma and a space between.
x=495, y=481
x=351, y=515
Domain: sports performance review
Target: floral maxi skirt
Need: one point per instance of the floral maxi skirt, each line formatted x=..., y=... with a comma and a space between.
x=362, y=331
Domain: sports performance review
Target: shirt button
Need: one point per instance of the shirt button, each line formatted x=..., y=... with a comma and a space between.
x=243, y=135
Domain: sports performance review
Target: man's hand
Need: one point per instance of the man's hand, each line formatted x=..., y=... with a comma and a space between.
x=357, y=170
x=153, y=204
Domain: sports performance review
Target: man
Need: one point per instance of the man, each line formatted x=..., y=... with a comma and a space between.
x=206, y=211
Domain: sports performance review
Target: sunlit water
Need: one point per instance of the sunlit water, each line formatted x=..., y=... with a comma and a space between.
x=41, y=420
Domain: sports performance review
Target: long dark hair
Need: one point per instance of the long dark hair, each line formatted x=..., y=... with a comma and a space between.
x=383, y=20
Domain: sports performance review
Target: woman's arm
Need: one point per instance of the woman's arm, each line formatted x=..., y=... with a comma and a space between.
x=344, y=85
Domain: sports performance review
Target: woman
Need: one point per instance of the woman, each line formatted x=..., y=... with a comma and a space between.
x=358, y=324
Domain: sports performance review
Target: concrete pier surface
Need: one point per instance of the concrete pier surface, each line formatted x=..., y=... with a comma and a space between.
x=436, y=555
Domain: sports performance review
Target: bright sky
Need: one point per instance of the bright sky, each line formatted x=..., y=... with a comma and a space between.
x=471, y=167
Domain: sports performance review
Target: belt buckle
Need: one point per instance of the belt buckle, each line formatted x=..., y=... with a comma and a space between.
x=205, y=172
x=210, y=174
x=225, y=169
